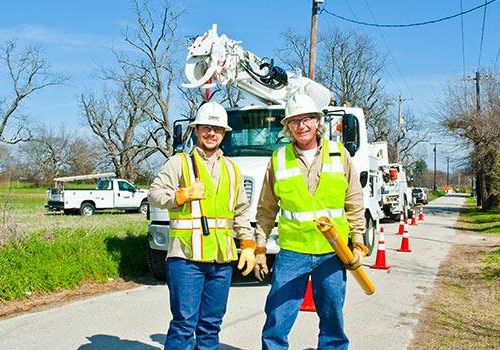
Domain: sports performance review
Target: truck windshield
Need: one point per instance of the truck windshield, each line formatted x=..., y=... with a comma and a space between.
x=256, y=132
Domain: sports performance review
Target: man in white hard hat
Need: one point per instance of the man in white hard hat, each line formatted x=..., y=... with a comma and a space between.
x=307, y=179
x=205, y=196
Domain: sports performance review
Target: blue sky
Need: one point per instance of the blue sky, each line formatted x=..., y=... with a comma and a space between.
x=77, y=35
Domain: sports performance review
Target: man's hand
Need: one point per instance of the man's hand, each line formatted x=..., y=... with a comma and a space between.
x=359, y=251
x=193, y=192
x=260, y=270
x=247, y=256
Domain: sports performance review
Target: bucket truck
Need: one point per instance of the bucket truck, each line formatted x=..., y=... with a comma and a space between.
x=257, y=130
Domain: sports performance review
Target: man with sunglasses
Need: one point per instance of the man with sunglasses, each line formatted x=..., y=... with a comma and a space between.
x=310, y=178
x=203, y=186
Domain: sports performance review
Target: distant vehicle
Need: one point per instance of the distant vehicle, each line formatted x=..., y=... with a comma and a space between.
x=420, y=195
x=110, y=193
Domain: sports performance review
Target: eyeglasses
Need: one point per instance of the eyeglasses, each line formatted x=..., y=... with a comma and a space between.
x=307, y=121
x=208, y=128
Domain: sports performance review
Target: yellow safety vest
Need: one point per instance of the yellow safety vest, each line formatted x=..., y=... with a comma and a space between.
x=218, y=207
x=296, y=227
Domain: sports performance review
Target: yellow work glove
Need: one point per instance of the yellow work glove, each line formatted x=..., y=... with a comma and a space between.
x=359, y=251
x=247, y=256
x=260, y=269
x=190, y=193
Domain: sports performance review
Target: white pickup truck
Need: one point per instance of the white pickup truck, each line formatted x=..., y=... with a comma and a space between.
x=110, y=193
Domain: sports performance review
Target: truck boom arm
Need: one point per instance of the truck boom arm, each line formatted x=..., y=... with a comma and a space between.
x=212, y=58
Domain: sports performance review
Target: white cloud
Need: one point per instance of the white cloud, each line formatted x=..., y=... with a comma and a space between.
x=38, y=34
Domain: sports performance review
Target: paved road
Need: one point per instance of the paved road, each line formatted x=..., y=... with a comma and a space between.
x=137, y=319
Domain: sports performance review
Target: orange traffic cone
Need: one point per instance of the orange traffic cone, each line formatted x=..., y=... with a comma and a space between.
x=380, y=262
x=421, y=214
x=308, y=303
x=401, y=225
x=413, y=218
x=406, y=227
x=405, y=243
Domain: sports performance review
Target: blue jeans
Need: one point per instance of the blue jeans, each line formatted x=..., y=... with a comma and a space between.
x=198, y=298
x=288, y=286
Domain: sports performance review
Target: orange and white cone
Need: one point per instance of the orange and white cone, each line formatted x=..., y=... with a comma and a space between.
x=401, y=225
x=308, y=303
x=405, y=243
x=380, y=263
x=421, y=214
x=406, y=227
x=413, y=218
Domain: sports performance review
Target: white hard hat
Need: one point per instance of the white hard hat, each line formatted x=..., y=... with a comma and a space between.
x=211, y=113
x=300, y=104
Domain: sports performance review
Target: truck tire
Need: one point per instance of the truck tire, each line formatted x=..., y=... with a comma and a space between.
x=87, y=209
x=143, y=208
x=156, y=263
x=370, y=233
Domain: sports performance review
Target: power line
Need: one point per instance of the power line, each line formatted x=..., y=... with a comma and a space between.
x=482, y=36
x=409, y=24
x=389, y=50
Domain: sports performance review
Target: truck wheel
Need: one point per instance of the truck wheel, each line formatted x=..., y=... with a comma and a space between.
x=156, y=263
x=369, y=236
x=143, y=209
x=87, y=209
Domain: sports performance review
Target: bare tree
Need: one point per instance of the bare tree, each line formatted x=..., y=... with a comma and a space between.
x=117, y=118
x=51, y=153
x=480, y=131
x=154, y=38
x=28, y=72
x=348, y=65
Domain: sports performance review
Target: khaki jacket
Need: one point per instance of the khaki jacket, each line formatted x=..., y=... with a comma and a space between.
x=170, y=179
x=268, y=207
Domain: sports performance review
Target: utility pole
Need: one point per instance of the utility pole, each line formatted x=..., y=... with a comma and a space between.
x=480, y=184
x=401, y=122
x=312, y=44
x=447, y=171
x=434, y=143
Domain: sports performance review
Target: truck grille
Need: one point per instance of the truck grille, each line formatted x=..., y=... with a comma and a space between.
x=248, y=182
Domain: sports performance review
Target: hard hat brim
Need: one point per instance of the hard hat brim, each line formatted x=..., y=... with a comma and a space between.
x=226, y=127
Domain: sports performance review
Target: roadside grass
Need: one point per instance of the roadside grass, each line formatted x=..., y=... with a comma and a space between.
x=434, y=195
x=464, y=309
x=49, y=260
x=42, y=252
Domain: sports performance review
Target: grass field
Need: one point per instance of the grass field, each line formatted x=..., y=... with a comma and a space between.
x=41, y=252
x=464, y=309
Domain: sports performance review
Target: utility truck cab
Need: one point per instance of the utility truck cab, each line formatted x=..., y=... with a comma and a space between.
x=109, y=193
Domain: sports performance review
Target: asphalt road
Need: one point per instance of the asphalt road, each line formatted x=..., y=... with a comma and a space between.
x=138, y=318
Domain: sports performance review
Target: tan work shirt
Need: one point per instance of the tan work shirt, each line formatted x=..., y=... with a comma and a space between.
x=170, y=179
x=268, y=207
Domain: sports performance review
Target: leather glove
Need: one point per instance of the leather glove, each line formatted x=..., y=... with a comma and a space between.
x=260, y=270
x=247, y=256
x=359, y=251
x=190, y=193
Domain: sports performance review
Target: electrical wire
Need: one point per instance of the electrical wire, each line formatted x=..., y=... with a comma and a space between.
x=482, y=37
x=405, y=25
x=390, y=51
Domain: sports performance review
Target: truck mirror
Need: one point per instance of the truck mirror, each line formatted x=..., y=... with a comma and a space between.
x=177, y=137
x=350, y=133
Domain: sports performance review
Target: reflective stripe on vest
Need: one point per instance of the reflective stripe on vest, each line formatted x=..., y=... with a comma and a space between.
x=308, y=216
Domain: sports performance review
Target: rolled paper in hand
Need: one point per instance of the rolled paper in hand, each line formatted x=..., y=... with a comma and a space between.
x=344, y=253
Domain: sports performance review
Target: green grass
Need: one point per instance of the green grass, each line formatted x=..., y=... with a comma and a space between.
x=434, y=195
x=42, y=252
x=47, y=261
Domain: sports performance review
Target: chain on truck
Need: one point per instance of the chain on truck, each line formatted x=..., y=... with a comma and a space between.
x=257, y=130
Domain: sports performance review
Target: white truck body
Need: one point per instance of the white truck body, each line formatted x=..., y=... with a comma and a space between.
x=110, y=193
